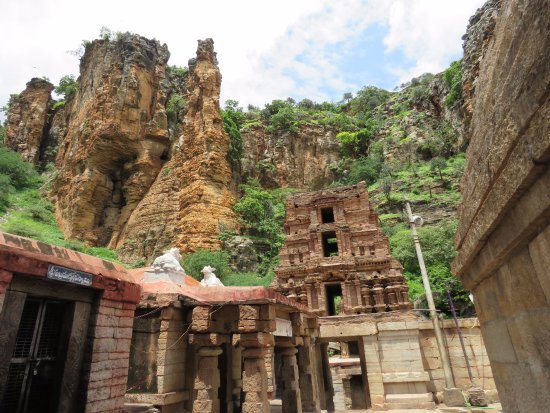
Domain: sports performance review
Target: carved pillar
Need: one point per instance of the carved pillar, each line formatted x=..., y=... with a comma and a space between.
x=207, y=381
x=291, y=400
x=378, y=294
x=254, y=385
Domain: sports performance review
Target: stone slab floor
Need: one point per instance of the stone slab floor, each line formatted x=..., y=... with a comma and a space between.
x=492, y=408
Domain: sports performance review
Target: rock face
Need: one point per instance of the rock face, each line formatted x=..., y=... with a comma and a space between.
x=27, y=119
x=476, y=40
x=295, y=160
x=116, y=138
x=190, y=201
x=503, y=237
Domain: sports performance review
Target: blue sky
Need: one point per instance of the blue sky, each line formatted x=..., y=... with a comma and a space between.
x=267, y=50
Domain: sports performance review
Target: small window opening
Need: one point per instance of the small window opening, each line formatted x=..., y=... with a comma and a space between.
x=327, y=215
x=334, y=298
x=372, y=249
x=330, y=244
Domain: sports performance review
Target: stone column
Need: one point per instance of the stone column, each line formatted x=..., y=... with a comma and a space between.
x=308, y=384
x=338, y=399
x=291, y=400
x=255, y=381
x=207, y=381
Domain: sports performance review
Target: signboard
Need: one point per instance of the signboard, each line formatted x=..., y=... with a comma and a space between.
x=283, y=328
x=69, y=276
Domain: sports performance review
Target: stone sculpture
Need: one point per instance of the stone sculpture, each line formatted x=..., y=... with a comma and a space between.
x=210, y=279
x=166, y=268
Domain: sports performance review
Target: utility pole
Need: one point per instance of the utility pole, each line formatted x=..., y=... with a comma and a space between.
x=445, y=362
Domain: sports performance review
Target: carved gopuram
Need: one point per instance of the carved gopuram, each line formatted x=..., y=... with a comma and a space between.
x=336, y=259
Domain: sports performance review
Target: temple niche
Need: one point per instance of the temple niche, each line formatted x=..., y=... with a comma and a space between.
x=336, y=259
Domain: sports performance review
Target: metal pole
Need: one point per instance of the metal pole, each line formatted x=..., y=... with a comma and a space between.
x=445, y=362
x=459, y=331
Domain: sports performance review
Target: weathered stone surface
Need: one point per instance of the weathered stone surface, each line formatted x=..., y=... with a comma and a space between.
x=243, y=255
x=27, y=119
x=505, y=211
x=299, y=159
x=476, y=40
x=190, y=201
x=116, y=140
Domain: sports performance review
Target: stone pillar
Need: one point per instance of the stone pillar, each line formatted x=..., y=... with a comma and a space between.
x=207, y=381
x=369, y=353
x=291, y=400
x=308, y=383
x=346, y=384
x=338, y=398
x=254, y=382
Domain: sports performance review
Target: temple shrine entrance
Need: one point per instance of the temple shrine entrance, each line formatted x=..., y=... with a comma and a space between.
x=37, y=360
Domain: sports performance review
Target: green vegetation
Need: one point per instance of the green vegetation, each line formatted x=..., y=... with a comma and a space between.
x=262, y=213
x=438, y=249
x=67, y=87
x=453, y=79
x=196, y=261
x=175, y=107
x=233, y=119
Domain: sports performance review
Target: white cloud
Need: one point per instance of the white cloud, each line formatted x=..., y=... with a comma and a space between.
x=428, y=32
x=266, y=49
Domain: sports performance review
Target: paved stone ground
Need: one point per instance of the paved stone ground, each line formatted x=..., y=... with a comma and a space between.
x=492, y=408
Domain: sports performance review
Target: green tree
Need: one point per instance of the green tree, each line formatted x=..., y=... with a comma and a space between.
x=194, y=262
x=68, y=85
x=229, y=120
x=437, y=165
x=368, y=98
x=453, y=79
x=439, y=251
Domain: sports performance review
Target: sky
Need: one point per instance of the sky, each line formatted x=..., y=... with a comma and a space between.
x=316, y=49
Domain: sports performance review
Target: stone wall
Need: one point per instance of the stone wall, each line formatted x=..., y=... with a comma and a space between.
x=106, y=368
x=504, y=234
x=475, y=349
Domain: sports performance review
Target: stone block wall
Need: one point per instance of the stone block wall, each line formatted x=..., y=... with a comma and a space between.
x=475, y=349
x=106, y=367
x=503, y=238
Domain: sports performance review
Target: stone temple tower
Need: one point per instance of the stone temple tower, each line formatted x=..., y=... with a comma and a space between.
x=336, y=259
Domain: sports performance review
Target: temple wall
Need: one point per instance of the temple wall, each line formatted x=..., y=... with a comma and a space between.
x=503, y=238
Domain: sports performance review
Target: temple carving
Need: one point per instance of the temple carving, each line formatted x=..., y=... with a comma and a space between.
x=336, y=259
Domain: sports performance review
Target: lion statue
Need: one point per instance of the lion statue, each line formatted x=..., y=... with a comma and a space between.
x=209, y=278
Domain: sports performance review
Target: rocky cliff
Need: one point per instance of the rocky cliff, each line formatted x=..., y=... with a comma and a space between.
x=476, y=40
x=299, y=159
x=27, y=120
x=116, y=138
x=190, y=201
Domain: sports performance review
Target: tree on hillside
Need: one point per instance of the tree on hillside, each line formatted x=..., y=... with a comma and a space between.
x=368, y=98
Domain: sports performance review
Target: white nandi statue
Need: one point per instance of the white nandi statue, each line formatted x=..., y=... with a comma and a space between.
x=210, y=279
x=166, y=268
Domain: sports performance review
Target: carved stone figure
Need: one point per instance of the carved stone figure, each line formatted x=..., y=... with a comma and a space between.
x=210, y=279
x=166, y=268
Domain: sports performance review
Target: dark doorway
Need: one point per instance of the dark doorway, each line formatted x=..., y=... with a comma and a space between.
x=327, y=215
x=353, y=349
x=358, y=400
x=224, y=389
x=330, y=244
x=37, y=361
x=334, y=298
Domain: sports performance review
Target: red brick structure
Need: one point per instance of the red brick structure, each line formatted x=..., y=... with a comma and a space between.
x=66, y=328
x=335, y=248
